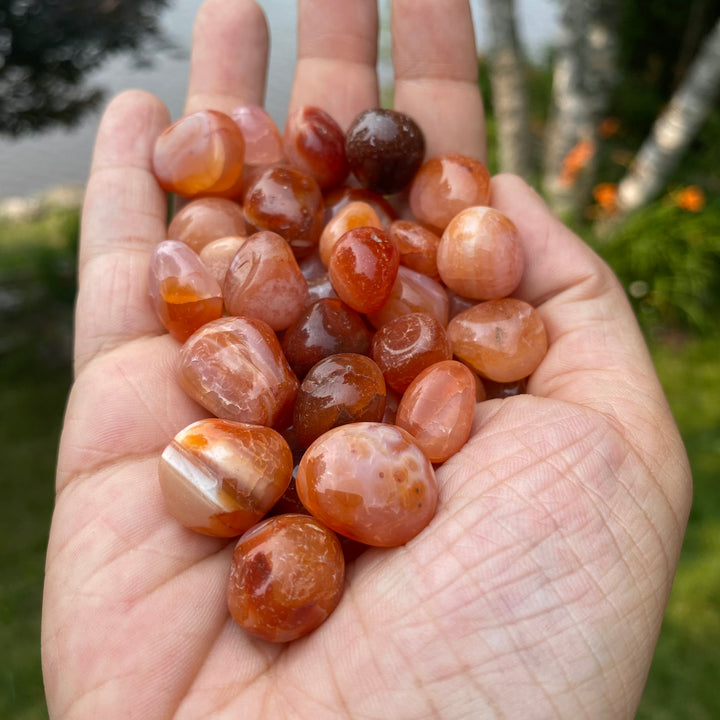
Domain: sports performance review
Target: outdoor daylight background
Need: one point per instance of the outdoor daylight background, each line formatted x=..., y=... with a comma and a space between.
x=610, y=108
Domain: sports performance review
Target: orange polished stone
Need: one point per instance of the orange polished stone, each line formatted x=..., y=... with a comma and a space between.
x=286, y=577
x=235, y=368
x=341, y=389
x=218, y=254
x=263, y=142
x=202, y=153
x=265, y=282
x=407, y=345
x=444, y=186
x=437, y=409
x=220, y=477
x=353, y=215
x=184, y=293
x=363, y=266
x=417, y=245
x=206, y=219
x=369, y=482
x=480, y=255
x=337, y=198
x=503, y=340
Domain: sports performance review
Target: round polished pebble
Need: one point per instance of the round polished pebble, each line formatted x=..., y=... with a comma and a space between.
x=437, y=409
x=263, y=142
x=218, y=254
x=287, y=201
x=480, y=255
x=342, y=388
x=185, y=295
x=369, y=482
x=353, y=215
x=337, y=198
x=206, y=219
x=384, y=148
x=235, y=368
x=444, y=186
x=315, y=143
x=363, y=266
x=326, y=327
x=286, y=577
x=199, y=154
x=405, y=346
x=503, y=340
x=220, y=477
x=265, y=282
x=417, y=245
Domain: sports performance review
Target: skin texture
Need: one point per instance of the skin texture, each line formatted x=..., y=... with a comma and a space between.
x=538, y=589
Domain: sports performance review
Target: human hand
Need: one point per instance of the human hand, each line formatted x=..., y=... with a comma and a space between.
x=538, y=589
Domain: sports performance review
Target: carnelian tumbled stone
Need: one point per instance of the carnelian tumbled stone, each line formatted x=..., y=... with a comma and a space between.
x=369, y=482
x=503, y=340
x=286, y=577
x=206, y=219
x=218, y=254
x=220, y=477
x=287, y=201
x=315, y=143
x=184, y=293
x=340, y=389
x=480, y=255
x=363, y=266
x=353, y=215
x=417, y=245
x=445, y=185
x=199, y=154
x=437, y=409
x=337, y=198
x=263, y=143
x=407, y=345
x=264, y=281
x=235, y=368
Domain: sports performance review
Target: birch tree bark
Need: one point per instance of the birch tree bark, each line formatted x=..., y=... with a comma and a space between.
x=509, y=90
x=584, y=74
x=674, y=129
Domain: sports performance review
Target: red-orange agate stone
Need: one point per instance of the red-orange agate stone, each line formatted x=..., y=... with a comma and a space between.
x=286, y=577
x=369, y=482
x=220, y=477
x=353, y=215
x=235, y=368
x=437, y=409
x=503, y=340
x=206, y=219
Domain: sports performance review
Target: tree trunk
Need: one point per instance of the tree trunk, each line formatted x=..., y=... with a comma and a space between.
x=509, y=90
x=674, y=129
x=584, y=74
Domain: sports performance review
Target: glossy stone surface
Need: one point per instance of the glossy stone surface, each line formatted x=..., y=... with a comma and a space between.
x=263, y=142
x=495, y=390
x=217, y=255
x=437, y=409
x=412, y=292
x=337, y=198
x=206, y=219
x=503, y=340
x=235, y=368
x=342, y=388
x=326, y=327
x=265, y=282
x=480, y=255
x=185, y=295
x=315, y=143
x=384, y=148
x=220, y=478
x=407, y=345
x=363, y=266
x=445, y=185
x=199, y=154
x=369, y=482
x=353, y=215
x=417, y=245
x=286, y=577
x=287, y=201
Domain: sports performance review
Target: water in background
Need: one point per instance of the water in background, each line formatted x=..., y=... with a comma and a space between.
x=37, y=162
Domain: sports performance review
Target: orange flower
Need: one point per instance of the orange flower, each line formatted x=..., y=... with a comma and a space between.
x=576, y=159
x=608, y=127
x=605, y=195
x=691, y=198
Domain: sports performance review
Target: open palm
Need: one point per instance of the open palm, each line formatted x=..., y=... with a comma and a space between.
x=538, y=589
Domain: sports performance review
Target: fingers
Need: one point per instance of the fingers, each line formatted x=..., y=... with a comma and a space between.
x=229, y=57
x=124, y=216
x=337, y=52
x=435, y=63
